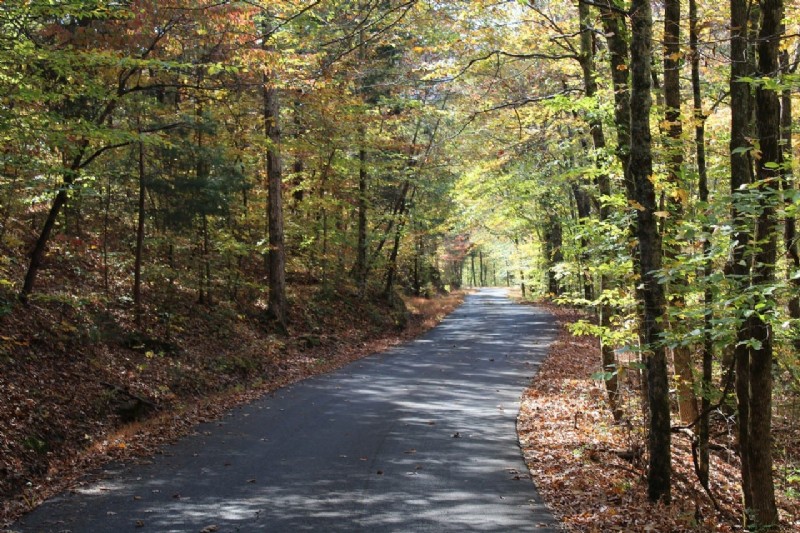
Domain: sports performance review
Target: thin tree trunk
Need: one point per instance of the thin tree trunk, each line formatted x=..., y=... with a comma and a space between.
x=417, y=282
x=277, y=306
x=607, y=354
x=360, y=268
x=474, y=283
x=106, y=217
x=481, y=275
x=641, y=169
x=616, y=33
x=521, y=270
x=708, y=296
x=553, y=253
x=206, y=268
x=787, y=184
x=398, y=235
x=37, y=254
x=682, y=356
x=583, y=203
x=323, y=218
x=137, y=264
x=741, y=176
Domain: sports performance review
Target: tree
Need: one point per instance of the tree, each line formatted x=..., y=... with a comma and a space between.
x=703, y=431
x=587, y=58
x=640, y=170
x=768, y=124
x=678, y=195
x=277, y=309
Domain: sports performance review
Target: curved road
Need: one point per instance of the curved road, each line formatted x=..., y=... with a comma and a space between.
x=419, y=438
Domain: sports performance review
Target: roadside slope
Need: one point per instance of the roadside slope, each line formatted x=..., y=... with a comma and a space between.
x=71, y=377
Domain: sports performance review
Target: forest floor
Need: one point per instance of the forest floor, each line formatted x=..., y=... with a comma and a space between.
x=590, y=471
x=79, y=387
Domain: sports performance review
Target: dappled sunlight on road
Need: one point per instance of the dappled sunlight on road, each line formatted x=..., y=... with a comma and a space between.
x=420, y=438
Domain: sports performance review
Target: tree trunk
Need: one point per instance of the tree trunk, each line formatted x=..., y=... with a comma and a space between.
x=682, y=357
x=481, y=271
x=137, y=263
x=37, y=254
x=206, y=265
x=616, y=33
x=553, y=254
x=277, y=306
x=583, y=203
x=787, y=184
x=398, y=235
x=768, y=123
x=641, y=169
x=474, y=282
x=521, y=270
x=741, y=176
x=607, y=355
x=419, y=249
x=360, y=268
x=106, y=220
x=708, y=296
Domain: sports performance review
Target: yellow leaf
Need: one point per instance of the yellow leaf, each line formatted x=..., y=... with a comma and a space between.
x=682, y=195
x=622, y=67
x=661, y=214
x=636, y=205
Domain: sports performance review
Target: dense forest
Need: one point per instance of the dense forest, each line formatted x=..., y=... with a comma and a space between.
x=163, y=160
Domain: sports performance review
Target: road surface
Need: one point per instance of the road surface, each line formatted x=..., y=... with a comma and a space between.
x=419, y=438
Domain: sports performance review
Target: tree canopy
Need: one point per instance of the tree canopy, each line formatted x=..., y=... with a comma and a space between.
x=635, y=158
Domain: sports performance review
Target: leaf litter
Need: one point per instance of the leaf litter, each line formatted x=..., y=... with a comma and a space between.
x=591, y=471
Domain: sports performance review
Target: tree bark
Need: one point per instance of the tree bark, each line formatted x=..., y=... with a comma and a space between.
x=682, y=357
x=787, y=184
x=481, y=270
x=768, y=123
x=277, y=307
x=650, y=253
x=741, y=177
x=37, y=254
x=474, y=281
x=398, y=235
x=583, y=204
x=553, y=253
x=708, y=296
x=137, y=263
x=616, y=33
x=603, y=181
x=360, y=269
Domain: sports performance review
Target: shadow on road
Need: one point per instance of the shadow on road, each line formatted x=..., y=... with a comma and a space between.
x=420, y=438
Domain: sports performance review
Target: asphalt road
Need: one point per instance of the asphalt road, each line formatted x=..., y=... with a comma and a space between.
x=419, y=438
